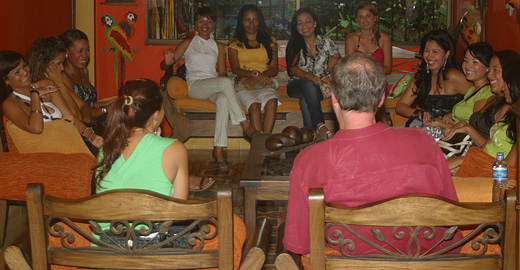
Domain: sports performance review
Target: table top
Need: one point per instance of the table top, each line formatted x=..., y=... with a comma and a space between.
x=254, y=169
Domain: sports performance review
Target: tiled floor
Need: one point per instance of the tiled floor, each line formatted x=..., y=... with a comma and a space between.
x=201, y=163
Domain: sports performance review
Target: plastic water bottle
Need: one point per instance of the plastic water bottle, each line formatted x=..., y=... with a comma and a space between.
x=499, y=177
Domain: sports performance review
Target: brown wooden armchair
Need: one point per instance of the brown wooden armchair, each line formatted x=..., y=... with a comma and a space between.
x=495, y=220
x=48, y=213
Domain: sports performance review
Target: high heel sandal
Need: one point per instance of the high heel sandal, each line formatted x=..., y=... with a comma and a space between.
x=223, y=165
x=249, y=138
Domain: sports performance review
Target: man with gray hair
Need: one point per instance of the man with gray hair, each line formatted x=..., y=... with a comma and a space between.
x=364, y=161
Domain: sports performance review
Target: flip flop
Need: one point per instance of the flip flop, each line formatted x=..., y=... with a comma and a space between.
x=205, y=183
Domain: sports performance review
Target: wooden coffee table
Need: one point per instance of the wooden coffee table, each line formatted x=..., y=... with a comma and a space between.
x=258, y=186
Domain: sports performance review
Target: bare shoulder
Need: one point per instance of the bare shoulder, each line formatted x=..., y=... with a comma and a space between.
x=455, y=74
x=352, y=37
x=385, y=38
x=175, y=151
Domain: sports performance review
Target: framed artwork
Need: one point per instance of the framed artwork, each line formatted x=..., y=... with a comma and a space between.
x=120, y=2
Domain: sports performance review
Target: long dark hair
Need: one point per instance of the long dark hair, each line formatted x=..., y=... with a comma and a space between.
x=263, y=35
x=424, y=77
x=43, y=51
x=510, y=74
x=138, y=100
x=296, y=42
x=504, y=57
x=9, y=60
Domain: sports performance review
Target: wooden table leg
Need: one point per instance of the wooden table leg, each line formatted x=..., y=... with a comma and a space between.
x=250, y=209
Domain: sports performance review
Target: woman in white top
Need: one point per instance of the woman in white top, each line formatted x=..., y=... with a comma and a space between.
x=28, y=105
x=202, y=54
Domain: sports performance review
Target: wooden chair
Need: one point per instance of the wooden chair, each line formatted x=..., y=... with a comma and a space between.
x=496, y=220
x=47, y=214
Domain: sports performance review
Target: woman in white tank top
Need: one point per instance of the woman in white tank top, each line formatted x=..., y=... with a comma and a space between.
x=203, y=55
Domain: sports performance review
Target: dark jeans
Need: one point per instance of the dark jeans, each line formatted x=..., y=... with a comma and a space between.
x=310, y=97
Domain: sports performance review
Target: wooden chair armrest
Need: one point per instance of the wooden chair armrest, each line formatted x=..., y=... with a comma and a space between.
x=17, y=255
x=284, y=259
x=255, y=249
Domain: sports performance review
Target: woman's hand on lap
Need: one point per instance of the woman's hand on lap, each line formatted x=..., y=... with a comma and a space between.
x=262, y=79
x=314, y=78
x=249, y=83
x=425, y=117
x=447, y=119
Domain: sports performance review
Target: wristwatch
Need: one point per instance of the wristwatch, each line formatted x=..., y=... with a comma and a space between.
x=255, y=74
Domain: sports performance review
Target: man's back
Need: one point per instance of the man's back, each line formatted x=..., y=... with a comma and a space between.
x=359, y=166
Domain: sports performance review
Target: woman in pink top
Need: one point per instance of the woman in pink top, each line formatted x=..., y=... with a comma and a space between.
x=371, y=41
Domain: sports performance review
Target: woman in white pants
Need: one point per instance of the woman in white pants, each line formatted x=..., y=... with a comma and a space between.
x=202, y=55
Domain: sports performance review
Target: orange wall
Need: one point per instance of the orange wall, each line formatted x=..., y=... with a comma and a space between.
x=25, y=20
x=146, y=60
x=502, y=31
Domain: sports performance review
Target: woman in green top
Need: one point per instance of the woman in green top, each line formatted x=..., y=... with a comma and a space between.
x=503, y=135
x=475, y=66
x=133, y=156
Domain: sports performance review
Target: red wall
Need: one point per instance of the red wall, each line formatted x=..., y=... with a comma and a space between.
x=25, y=20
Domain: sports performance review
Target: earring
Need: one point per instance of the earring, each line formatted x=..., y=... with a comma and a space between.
x=487, y=70
x=444, y=65
x=155, y=126
x=427, y=68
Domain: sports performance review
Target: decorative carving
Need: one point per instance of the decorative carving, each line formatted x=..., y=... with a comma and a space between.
x=122, y=235
x=492, y=233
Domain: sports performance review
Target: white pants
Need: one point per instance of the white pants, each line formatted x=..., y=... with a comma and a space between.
x=261, y=96
x=221, y=91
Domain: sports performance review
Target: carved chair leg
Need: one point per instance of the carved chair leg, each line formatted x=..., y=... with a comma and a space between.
x=255, y=249
x=284, y=258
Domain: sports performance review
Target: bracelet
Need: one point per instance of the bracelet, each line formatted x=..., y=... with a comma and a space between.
x=31, y=87
x=103, y=109
x=83, y=132
x=36, y=111
x=35, y=91
x=414, y=114
x=255, y=74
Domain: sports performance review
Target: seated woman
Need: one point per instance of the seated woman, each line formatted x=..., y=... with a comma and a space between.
x=475, y=66
x=438, y=85
x=130, y=156
x=481, y=121
x=309, y=56
x=202, y=54
x=253, y=56
x=369, y=39
x=28, y=105
x=76, y=75
x=502, y=135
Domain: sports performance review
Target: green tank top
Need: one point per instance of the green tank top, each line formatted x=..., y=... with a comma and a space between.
x=142, y=170
x=499, y=140
x=464, y=109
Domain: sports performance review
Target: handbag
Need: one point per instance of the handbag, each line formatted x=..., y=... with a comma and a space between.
x=458, y=145
x=325, y=86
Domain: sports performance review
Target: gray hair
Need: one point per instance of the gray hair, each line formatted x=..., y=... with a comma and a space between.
x=358, y=82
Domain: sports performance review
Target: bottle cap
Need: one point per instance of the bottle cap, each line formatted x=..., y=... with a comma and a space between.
x=500, y=156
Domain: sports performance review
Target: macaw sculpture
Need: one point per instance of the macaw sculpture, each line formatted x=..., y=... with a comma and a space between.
x=512, y=5
x=118, y=36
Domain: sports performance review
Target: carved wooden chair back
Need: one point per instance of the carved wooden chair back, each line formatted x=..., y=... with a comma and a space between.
x=414, y=212
x=127, y=211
